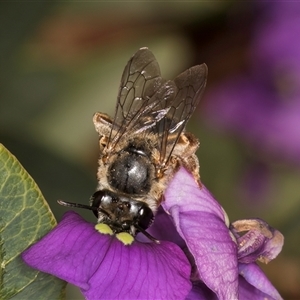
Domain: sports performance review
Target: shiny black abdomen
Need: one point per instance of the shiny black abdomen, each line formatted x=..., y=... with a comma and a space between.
x=131, y=172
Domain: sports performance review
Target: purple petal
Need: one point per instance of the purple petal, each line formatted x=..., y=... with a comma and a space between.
x=259, y=284
x=200, y=221
x=264, y=108
x=260, y=242
x=225, y=109
x=104, y=268
x=163, y=229
x=255, y=184
x=276, y=46
x=201, y=292
x=260, y=118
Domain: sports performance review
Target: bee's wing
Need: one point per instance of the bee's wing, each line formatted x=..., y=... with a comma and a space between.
x=147, y=104
x=186, y=92
x=140, y=81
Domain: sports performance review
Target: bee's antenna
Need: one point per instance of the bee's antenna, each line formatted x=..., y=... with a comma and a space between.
x=148, y=235
x=78, y=205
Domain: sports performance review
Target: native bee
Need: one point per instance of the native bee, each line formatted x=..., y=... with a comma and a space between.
x=144, y=144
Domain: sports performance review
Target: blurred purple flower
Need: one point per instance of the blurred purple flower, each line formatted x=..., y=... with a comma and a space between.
x=263, y=106
x=255, y=185
x=198, y=258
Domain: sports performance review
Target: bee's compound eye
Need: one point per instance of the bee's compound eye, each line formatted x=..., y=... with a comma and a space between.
x=99, y=198
x=146, y=216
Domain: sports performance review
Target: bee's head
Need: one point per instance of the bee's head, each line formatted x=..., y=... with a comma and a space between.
x=121, y=213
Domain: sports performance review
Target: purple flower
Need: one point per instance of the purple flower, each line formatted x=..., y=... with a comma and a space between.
x=255, y=185
x=103, y=268
x=198, y=258
x=262, y=106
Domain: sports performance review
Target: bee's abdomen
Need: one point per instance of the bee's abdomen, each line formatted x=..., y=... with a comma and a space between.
x=130, y=173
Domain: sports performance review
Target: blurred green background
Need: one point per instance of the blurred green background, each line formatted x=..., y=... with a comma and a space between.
x=62, y=61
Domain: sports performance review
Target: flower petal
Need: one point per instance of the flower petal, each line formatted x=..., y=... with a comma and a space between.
x=262, y=106
x=200, y=221
x=104, y=268
x=201, y=292
x=259, y=286
x=163, y=229
x=261, y=242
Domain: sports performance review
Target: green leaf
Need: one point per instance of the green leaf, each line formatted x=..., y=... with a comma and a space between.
x=25, y=217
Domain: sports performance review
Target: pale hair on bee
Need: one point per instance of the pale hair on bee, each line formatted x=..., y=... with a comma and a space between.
x=144, y=145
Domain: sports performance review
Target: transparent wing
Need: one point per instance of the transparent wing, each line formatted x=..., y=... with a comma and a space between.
x=140, y=80
x=149, y=104
x=186, y=93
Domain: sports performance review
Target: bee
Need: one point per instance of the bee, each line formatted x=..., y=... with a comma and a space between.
x=144, y=144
